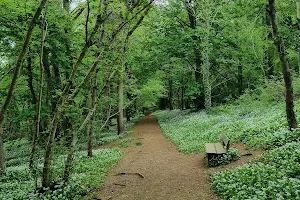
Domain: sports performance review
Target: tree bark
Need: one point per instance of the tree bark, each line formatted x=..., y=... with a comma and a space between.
x=298, y=24
x=289, y=98
x=39, y=103
x=2, y=154
x=19, y=66
x=170, y=94
x=206, y=53
x=120, y=103
x=193, y=24
x=94, y=104
x=240, y=79
x=30, y=80
x=270, y=51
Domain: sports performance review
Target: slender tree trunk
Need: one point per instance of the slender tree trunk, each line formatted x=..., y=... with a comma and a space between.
x=298, y=24
x=270, y=50
x=170, y=94
x=120, y=104
x=289, y=98
x=70, y=157
x=30, y=79
x=2, y=154
x=94, y=104
x=193, y=23
x=206, y=60
x=240, y=79
x=39, y=103
x=182, y=98
x=18, y=68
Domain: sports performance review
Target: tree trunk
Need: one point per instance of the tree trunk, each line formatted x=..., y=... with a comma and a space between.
x=70, y=157
x=94, y=104
x=170, y=94
x=193, y=23
x=128, y=110
x=30, y=79
x=289, y=98
x=240, y=79
x=298, y=24
x=2, y=153
x=270, y=50
x=39, y=105
x=19, y=66
x=206, y=52
x=120, y=104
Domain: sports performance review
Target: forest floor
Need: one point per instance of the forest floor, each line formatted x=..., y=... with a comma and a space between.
x=152, y=168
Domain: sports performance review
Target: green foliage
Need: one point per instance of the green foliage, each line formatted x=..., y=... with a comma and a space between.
x=125, y=142
x=232, y=155
x=149, y=93
x=275, y=175
x=88, y=173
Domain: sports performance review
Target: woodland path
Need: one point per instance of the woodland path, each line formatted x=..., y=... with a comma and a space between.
x=155, y=170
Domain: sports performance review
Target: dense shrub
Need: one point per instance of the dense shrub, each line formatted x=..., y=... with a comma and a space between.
x=232, y=155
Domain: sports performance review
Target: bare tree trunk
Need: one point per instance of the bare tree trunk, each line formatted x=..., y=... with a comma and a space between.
x=18, y=68
x=289, y=98
x=39, y=105
x=2, y=154
x=94, y=104
x=206, y=59
x=240, y=79
x=120, y=104
x=270, y=50
x=170, y=94
x=298, y=23
x=30, y=79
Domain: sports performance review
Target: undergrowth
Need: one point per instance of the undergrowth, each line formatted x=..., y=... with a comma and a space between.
x=275, y=175
x=88, y=173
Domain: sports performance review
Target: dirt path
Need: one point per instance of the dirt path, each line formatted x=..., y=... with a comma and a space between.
x=155, y=170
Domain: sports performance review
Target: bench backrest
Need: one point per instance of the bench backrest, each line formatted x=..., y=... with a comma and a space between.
x=224, y=141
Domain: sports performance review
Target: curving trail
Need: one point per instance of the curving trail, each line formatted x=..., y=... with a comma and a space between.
x=155, y=170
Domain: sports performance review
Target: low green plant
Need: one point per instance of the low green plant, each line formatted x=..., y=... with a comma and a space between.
x=232, y=155
x=125, y=142
x=88, y=173
x=275, y=175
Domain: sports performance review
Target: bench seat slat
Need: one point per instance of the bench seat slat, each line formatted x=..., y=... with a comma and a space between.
x=216, y=148
x=220, y=148
x=210, y=148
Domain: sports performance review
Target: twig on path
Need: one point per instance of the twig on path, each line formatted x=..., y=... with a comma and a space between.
x=124, y=173
x=120, y=184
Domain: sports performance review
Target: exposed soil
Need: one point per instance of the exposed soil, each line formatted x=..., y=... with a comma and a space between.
x=152, y=168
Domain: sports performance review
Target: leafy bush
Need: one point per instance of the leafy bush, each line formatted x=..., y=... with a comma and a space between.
x=232, y=155
x=275, y=175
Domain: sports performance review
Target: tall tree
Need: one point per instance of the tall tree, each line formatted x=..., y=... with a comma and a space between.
x=289, y=94
x=16, y=75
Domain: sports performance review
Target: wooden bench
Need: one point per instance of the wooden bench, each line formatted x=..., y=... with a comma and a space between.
x=216, y=149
